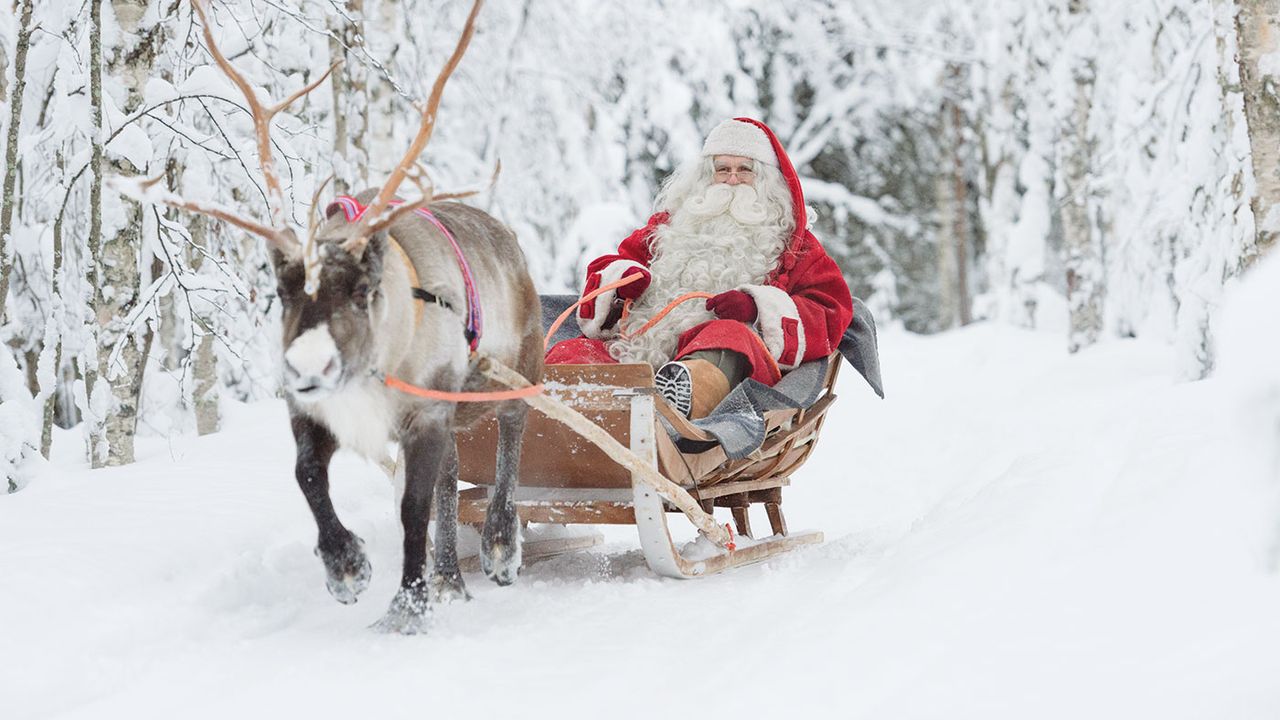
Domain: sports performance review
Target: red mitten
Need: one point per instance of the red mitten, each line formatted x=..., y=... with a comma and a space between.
x=634, y=289
x=733, y=305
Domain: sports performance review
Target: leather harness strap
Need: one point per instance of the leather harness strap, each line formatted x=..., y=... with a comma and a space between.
x=413, y=280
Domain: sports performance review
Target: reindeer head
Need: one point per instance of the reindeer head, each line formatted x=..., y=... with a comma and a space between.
x=329, y=337
x=329, y=284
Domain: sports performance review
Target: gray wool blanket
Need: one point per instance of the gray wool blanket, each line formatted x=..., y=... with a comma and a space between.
x=738, y=421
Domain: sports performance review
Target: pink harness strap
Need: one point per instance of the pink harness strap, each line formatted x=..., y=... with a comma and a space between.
x=352, y=210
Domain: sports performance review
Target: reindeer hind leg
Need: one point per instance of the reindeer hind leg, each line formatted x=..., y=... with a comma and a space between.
x=446, y=579
x=500, y=556
x=426, y=445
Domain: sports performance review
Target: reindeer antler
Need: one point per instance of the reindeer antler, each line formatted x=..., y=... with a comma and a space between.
x=262, y=116
x=493, y=180
x=277, y=230
x=373, y=218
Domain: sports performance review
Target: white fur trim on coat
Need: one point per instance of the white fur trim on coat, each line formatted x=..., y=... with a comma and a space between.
x=594, y=327
x=779, y=324
x=734, y=137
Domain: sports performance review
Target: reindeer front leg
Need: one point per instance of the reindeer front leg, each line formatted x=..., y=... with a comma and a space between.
x=426, y=443
x=345, y=564
x=500, y=546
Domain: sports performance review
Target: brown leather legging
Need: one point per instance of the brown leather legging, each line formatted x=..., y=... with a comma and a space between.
x=734, y=365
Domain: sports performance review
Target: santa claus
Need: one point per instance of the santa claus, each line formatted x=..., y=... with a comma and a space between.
x=732, y=222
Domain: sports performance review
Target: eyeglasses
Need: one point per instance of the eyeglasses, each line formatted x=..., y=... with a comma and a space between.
x=743, y=173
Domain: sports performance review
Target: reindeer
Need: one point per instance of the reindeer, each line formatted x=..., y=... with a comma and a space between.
x=379, y=295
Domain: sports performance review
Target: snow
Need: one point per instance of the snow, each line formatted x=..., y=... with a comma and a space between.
x=1015, y=533
x=1250, y=367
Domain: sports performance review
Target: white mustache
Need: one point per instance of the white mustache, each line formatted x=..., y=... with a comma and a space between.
x=741, y=202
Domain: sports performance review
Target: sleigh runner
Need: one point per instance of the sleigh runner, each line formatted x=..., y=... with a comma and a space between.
x=567, y=478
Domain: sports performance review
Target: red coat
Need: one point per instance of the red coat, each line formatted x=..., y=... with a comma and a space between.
x=803, y=308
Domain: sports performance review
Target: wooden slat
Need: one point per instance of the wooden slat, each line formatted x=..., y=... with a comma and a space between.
x=628, y=375
x=601, y=512
x=792, y=461
x=589, y=513
x=680, y=423
x=741, y=486
x=767, y=495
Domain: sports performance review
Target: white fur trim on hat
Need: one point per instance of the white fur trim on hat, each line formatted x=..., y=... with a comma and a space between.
x=735, y=137
x=594, y=328
x=779, y=323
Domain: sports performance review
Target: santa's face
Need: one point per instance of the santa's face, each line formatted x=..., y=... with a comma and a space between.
x=734, y=170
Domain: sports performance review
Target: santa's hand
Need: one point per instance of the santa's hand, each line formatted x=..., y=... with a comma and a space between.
x=635, y=288
x=733, y=305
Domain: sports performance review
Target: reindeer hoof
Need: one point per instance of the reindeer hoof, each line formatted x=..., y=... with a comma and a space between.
x=347, y=569
x=501, y=560
x=409, y=614
x=448, y=588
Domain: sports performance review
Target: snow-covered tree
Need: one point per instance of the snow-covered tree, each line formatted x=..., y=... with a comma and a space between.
x=1257, y=25
x=7, y=199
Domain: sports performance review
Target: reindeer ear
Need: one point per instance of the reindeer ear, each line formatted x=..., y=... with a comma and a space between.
x=374, y=253
x=278, y=259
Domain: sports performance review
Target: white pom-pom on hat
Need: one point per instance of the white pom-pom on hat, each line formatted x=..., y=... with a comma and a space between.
x=734, y=137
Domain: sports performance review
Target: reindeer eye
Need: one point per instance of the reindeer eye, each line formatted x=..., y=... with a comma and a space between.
x=360, y=293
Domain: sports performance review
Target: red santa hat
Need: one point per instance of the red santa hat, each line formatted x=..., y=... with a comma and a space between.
x=750, y=138
x=742, y=138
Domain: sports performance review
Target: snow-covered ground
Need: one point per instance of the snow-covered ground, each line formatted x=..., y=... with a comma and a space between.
x=1014, y=533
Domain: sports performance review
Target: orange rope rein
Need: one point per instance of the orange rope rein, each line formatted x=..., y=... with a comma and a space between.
x=583, y=301
x=626, y=309
x=663, y=313
x=491, y=396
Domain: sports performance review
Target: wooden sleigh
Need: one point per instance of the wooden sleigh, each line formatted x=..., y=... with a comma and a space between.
x=596, y=452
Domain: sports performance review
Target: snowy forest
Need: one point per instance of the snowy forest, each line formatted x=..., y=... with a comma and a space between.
x=1094, y=168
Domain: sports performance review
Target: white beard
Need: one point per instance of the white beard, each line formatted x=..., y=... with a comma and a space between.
x=715, y=242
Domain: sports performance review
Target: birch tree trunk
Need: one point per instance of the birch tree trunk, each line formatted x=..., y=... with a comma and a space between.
x=120, y=352
x=1257, y=25
x=205, y=364
x=948, y=307
x=11, y=149
x=350, y=99
x=1083, y=258
x=19, y=442
x=95, y=406
x=953, y=248
x=4, y=75
x=55, y=335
